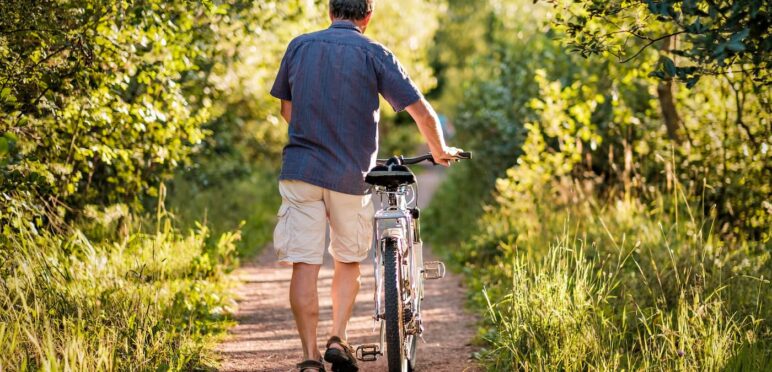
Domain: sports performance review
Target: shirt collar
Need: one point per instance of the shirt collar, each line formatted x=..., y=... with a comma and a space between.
x=348, y=25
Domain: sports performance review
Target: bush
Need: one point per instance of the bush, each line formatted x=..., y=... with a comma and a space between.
x=605, y=240
x=93, y=109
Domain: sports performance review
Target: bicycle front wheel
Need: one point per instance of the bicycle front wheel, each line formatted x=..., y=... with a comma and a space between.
x=395, y=331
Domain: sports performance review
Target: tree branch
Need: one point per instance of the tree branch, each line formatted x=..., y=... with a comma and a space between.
x=739, y=119
x=650, y=43
x=53, y=31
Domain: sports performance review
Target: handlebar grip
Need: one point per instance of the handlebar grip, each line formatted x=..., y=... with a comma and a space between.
x=464, y=155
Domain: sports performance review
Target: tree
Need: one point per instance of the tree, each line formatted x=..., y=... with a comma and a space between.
x=97, y=99
x=100, y=101
x=610, y=123
x=711, y=37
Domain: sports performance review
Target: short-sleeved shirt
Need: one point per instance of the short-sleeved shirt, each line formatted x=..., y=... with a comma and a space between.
x=333, y=78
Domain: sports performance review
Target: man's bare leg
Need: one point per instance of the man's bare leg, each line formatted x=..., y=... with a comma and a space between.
x=345, y=286
x=304, y=300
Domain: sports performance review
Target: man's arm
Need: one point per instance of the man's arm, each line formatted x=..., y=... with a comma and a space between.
x=429, y=125
x=286, y=110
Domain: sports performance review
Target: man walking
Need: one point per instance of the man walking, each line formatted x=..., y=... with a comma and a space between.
x=328, y=84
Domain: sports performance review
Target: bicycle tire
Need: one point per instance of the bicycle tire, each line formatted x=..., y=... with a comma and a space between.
x=393, y=311
x=411, y=362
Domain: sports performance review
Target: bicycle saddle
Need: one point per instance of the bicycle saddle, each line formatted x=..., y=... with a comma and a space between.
x=392, y=175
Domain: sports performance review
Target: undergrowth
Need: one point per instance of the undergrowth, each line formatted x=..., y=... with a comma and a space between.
x=570, y=282
x=142, y=301
x=246, y=202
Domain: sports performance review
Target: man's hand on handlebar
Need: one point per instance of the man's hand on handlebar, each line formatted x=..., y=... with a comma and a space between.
x=446, y=155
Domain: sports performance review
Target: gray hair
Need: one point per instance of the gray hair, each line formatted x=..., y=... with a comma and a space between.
x=351, y=9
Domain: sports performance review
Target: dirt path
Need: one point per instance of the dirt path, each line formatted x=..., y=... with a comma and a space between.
x=265, y=338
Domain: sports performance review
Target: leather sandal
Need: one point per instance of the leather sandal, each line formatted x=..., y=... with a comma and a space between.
x=311, y=365
x=342, y=360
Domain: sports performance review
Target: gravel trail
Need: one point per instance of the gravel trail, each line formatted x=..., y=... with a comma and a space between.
x=265, y=338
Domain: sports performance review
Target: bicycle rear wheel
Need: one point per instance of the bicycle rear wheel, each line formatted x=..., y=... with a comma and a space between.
x=395, y=330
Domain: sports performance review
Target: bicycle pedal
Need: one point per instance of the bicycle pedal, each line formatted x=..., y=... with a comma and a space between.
x=368, y=353
x=434, y=270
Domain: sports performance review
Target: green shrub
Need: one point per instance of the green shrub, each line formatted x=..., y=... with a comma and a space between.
x=597, y=236
x=96, y=100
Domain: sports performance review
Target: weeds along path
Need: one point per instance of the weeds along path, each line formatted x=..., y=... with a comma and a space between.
x=265, y=338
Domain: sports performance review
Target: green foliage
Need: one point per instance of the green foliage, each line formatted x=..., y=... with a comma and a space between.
x=248, y=203
x=599, y=128
x=487, y=92
x=573, y=282
x=613, y=234
x=102, y=103
x=603, y=124
x=143, y=302
x=96, y=98
x=715, y=37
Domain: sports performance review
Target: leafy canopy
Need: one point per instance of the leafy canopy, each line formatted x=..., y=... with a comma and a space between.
x=715, y=37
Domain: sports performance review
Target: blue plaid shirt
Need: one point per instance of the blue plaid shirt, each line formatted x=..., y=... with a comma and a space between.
x=333, y=78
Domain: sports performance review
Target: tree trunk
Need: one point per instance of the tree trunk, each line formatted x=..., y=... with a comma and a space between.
x=666, y=100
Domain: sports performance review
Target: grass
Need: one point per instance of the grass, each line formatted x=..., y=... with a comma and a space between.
x=568, y=312
x=570, y=282
x=138, y=301
x=121, y=292
x=451, y=218
x=248, y=203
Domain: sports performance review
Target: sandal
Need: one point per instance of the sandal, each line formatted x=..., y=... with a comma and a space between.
x=310, y=365
x=342, y=360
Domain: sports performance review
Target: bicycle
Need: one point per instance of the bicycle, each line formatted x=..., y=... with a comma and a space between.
x=399, y=267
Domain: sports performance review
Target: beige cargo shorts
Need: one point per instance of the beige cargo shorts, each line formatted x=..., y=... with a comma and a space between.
x=301, y=229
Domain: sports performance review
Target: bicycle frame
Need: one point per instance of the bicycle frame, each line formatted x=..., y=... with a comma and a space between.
x=397, y=215
x=398, y=253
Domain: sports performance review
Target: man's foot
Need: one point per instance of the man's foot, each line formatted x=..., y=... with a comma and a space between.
x=341, y=355
x=311, y=366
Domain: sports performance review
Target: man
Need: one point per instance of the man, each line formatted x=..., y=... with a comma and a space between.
x=328, y=84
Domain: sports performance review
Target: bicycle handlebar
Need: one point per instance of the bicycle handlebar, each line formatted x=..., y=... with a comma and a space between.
x=408, y=161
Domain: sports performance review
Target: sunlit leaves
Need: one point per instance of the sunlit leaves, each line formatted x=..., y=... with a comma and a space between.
x=100, y=88
x=714, y=37
x=533, y=102
x=123, y=92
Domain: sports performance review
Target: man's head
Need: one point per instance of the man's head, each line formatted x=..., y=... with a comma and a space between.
x=356, y=11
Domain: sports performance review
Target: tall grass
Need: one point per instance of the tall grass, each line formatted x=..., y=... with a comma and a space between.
x=144, y=301
x=568, y=312
x=570, y=282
